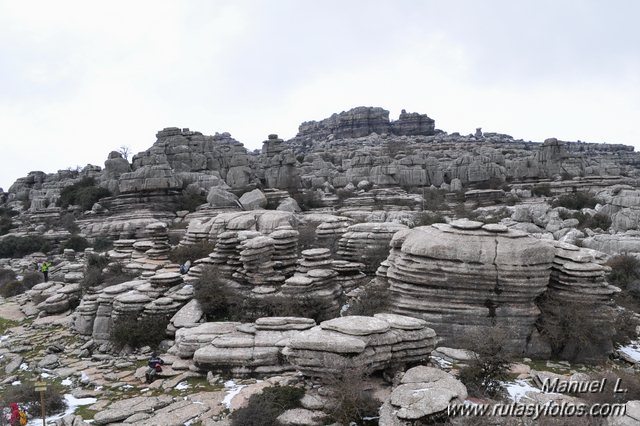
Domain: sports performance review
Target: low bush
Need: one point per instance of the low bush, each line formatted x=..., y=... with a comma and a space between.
x=5, y=225
x=428, y=218
x=29, y=400
x=264, y=408
x=625, y=273
x=68, y=222
x=76, y=243
x=598, y=220
x=574, y=332
x=492, y=183
x=191, y=252
x=484, y=374
x=541, y=190
x=130, y=331
x=307, y=236
x=434, y=199
x=102, y=244
x=12, y=288
x=84, y=193
x=374, y=256
x=575, y=201
x=189, y=201
x=352, y=403
x=13, y=246
x=95, y=274
x=372, y=299
x=624, y=379
x=31, y=278
x=219, y=302
x=7, y=275
x=308, y=200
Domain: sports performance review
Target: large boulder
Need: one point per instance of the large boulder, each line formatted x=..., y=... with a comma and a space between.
x=253, y=200
x=220, y=198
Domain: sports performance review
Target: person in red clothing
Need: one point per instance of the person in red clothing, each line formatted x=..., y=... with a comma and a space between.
x=14, y=420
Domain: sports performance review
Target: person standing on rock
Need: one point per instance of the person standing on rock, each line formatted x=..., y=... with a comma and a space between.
x=45, y=270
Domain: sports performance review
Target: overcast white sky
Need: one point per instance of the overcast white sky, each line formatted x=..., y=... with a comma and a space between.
x=78, y=79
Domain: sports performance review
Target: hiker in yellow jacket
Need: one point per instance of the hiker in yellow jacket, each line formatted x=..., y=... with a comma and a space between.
x=45, y=270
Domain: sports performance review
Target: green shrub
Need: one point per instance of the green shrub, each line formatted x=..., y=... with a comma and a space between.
x=352, y=403
x=76, y=242
x=190, y=202
x=13, y=246
x=308, y=200
x=573, y=331
x=490, y=366
x=101, y=244
x=372, y=299
x=99, y=261
x=434, y=199
x=428, y=218
x=541, y=190
x=68, y=222
x=12, y=288
x=29, y=400
x=264, y=408
x=5, y=225
x=214, y=297
x=191, y=252
x=130, y=331
x=83, y=193
x=7, y=275
x=599, y=220
x=625, y=269
x=575, y=201
x=31, y=278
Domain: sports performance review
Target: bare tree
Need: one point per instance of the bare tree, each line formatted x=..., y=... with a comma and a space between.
x=125, y=151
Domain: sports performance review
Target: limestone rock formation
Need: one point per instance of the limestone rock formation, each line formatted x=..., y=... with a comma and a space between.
x=423, y=392
x=373, y=342
x=466, y=277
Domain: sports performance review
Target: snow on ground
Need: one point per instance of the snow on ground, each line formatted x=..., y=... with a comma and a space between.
x=182, y=386
x=24, y=366
x=66, y=382
x=16, y=383
x=518, y=389
x=233, y=390
x=72, y=404
x=632, y=350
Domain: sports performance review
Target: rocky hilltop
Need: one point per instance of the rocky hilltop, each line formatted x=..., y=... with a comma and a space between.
x=367, y=262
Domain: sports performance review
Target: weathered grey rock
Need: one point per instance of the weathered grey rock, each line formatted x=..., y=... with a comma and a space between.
x=221, y=198
x=423, y=392
x=253, y=200
x=460, y=278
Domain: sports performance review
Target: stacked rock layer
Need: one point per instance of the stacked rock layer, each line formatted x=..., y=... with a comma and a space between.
x=467, y=277
x=374, y=342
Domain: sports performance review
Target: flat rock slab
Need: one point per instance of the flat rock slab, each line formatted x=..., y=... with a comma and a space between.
x=356, y=325
x=402, y=322
x=301, y=417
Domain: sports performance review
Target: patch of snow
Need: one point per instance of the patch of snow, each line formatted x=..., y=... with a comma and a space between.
x=632, y=350
x=16, y=383
x=98, y=388
x=144, y=390
x=66, y=382
x=45, y=375
x=182, y=386
x=125, y=387
x=518, y=389
x=24, y=366
x=84, y=378
x=4, y=337
x=72, y=404
x=233, y=390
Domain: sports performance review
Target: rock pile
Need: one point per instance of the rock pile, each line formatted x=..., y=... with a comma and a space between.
x=469, y=277
x=423, y=393
x=318, y=258
x=257, y=265
x=285, y=254
x=242, y=348
x=318, y=286
x=367, y=243
x=350, y=275
x=159, y=238
x=373, y=342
